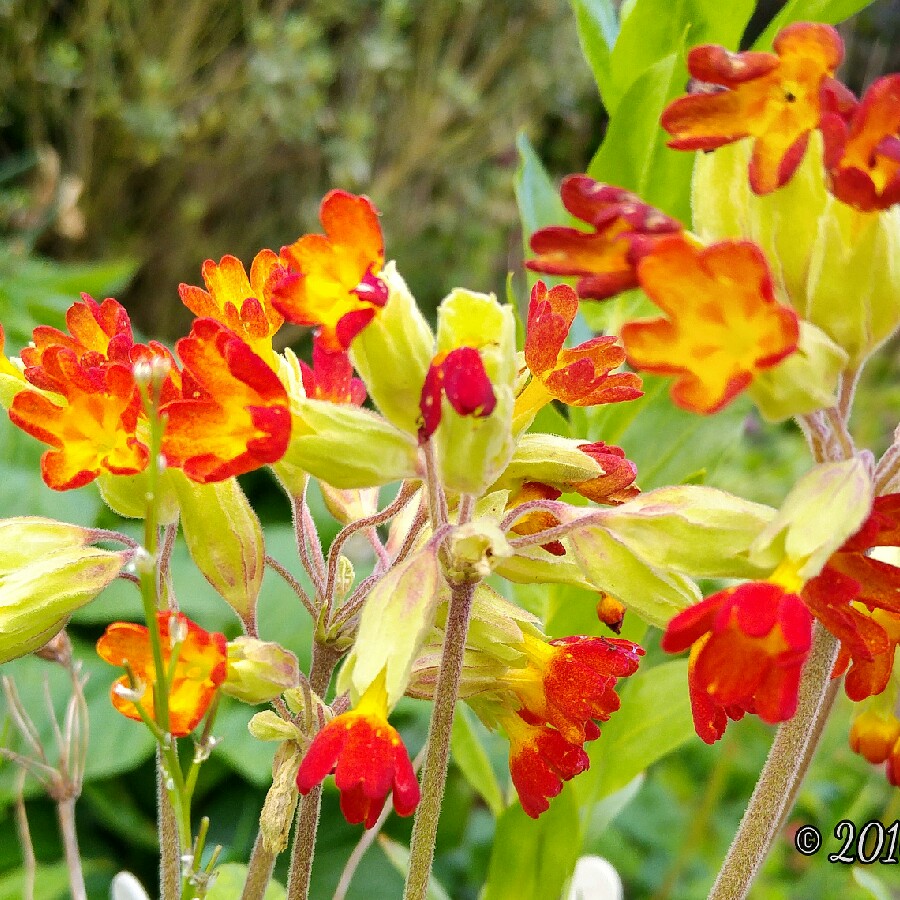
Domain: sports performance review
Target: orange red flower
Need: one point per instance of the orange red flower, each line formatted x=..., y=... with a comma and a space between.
x=874, y=735
x=200, y=667
x=857, y=598
x=624, y=228
x=722, y=323
x=242, y=304
x=331, y=377
x=862, y=149
x=774, y=98
x=460, y=376
x=333, y=284
x=233, y=415
x=368, y=759
x=748, y=644
x=578, y=376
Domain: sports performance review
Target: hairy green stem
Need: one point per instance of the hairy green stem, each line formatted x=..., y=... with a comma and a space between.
x=259, y=870
x=437, y=760
x=169, y=850
x=323, y=662
x=778, y=781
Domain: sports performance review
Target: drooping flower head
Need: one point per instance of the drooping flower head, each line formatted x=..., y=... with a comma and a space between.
x=578, y=376
x=368, y=759
x=624, y=228
x=241, y=303
x=862, y=150
x=460, y=376
x=722, y=322
x=200, y=667
x=748, y=645
x=233, y=415
x=857, y=598
x=774, y=98
x=333, y=285
x=540, y=760
x=331, y=377
x=569, y=682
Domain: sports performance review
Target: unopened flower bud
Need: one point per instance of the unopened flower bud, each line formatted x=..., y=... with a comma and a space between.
x=346, y=575
x=269, y=726
x=873, y=735
x=259, y=671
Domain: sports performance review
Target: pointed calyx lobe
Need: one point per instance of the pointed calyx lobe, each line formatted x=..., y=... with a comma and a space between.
x=776, y=99
x=622, y=229
x=332, y=284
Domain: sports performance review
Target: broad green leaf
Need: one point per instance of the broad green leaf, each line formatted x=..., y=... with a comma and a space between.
x=654, y=719
x=654, y=29
x=472, y=759
x=573, y=610
x=50, y=883
x=829, y=11
x=603, y=813
x=872, y=884
x=533, y=858
x=229, y=884
x=669, y=445
x=111, y=801
x=398, y=855
x=598, y=28
x=634, y=153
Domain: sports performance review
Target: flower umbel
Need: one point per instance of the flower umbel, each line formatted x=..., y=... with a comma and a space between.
x=368, y=759
x=200, y=667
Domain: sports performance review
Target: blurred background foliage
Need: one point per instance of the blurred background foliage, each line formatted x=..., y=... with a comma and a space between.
x=150, y=136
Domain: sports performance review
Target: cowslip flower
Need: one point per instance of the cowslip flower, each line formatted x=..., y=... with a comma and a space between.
x=569, y=682
x=368, y=759
x=857, y=598
x=624, y=228
x=874, y=734
x=540, y=760
x=774, y=98
x=862, y=150
x=722, y=322
x=459, y=376
x=578, y=376
x=748, y=645
x=333, y=284
x=331, y=377
x=242, y=304
x=200, y=667
x=233, y=415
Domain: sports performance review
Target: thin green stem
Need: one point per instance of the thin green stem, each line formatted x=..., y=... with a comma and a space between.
x=65, y=811
x=784, y=767
x=323, y=662
x=437, y=759
x=259, y=870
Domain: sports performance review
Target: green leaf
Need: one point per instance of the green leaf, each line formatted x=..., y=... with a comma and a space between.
x=872, y=884
x=472, y=759
x=667, y=444
x=634, y=153
x=533, y=858
x=829, y=11
x=398, y=855
x=598, y=28
x=229, y=884
x=654, y=29
x=50, y=883
x=654, y=719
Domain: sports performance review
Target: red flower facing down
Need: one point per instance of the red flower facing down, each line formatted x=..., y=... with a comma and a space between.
x=242, y=304
x=722, y=325
x=569, y=682
x=616, y=484
x=368, y=759
x=749, y=644
x=774, y=98
x=233, y=415
x=540, y=760
x=331, y=378
x=862, y=151
x=624, y=229
x=333, y=284
x=459, y=376
x=578, y=376
x=201, y=666
x=857, y=598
